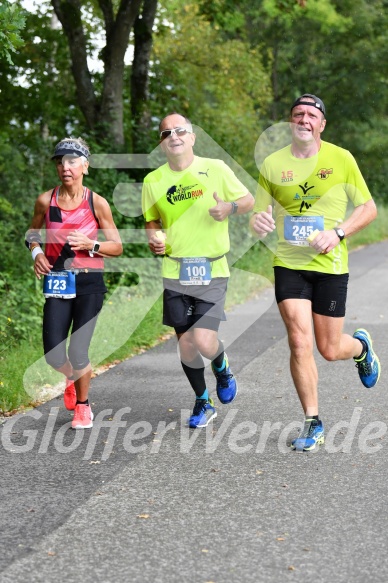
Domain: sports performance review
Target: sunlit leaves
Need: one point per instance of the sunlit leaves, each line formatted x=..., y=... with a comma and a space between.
x=219, y=83
x=12, y=21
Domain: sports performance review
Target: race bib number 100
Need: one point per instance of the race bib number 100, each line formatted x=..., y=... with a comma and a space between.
x=195, y=271
x=298, y=228
x=59, y=284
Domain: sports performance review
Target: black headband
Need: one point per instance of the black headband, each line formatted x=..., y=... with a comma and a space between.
x=318, y=103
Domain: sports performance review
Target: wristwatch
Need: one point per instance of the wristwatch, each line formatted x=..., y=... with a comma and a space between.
x=95, y=248
x=340, y=233
x=234, y=207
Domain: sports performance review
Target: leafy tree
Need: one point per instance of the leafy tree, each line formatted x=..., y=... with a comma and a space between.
x=220, y=84
x=12, y=21
x=336, y=49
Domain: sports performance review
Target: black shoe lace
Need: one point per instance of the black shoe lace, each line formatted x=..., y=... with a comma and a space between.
x=223, y=378
x=199, y=406
x=364, y=367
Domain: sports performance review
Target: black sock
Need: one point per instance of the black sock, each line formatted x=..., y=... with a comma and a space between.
x=364, y=348
x=316, y=417
x=195, y=372
x=219, y=359
x=83, y=402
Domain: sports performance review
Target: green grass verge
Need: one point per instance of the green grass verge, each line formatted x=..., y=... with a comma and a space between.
x=131, y=323
x=23, y=372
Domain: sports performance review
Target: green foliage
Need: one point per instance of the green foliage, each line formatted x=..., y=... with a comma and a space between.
x=12, y=21
x=284, y=14
x=21, y=312
x=336, y=49
x=224, y=89
x=38, y=96
x=20, y=300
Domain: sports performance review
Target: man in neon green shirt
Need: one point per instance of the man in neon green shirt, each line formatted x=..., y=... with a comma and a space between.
x=191, y=198
x=303, y=192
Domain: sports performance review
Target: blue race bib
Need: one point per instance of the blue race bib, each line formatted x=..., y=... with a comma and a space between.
x=59, y=284
x=298, y=228
x=195, y=271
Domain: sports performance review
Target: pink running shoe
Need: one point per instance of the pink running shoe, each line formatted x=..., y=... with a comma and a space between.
x=70, y=396
x=83, y=417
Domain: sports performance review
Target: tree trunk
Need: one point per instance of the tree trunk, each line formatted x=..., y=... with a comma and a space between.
x=69, y=15
x=104, y=115
x=139, y=78
x=117, y=38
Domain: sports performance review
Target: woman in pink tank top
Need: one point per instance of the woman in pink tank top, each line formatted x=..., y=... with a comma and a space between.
x=79, y=232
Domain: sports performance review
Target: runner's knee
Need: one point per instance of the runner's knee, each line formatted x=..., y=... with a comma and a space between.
x=79, y=359
x=300, y=344
x=328, y=351
x=56, y=358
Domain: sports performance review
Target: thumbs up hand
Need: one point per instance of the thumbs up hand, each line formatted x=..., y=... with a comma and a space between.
x=263, y=223
x=221, y=210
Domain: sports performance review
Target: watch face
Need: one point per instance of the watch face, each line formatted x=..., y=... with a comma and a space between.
x=340, y=233
x=96, y=247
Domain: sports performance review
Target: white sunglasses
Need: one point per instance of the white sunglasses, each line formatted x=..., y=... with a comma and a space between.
x=177, y=131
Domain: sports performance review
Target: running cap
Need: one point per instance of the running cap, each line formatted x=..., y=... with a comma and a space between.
x=318, y=103
x=70, y=147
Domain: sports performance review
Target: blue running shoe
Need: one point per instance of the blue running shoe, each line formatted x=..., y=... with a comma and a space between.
x=226, y=383
x=203, y=412
x=312, y=434
x=369, y=365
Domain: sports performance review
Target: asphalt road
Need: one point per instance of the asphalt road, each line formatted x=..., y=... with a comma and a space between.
x=142, y=499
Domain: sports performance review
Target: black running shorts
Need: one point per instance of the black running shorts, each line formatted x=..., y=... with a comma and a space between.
x=200, y=306
x=326, y=291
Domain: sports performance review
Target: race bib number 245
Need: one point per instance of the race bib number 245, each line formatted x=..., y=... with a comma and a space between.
x=298, y=228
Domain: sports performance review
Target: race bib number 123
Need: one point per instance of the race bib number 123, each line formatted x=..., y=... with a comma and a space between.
x=59, y=284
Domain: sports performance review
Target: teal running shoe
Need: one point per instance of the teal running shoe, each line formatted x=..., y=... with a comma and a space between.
x=203, y=412
x=226, y=383
x=369, y=365
x=311, y=435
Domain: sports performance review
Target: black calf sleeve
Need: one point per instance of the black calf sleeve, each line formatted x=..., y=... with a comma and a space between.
x=195, y=372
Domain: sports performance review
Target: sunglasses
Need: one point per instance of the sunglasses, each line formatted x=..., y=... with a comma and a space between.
x=72, y=161
x=177, y=131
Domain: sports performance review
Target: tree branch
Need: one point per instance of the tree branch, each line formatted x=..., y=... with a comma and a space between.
x=108, y=14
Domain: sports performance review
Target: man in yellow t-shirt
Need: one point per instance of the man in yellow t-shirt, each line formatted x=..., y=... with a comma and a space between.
x=186, y=205
x=303, y=193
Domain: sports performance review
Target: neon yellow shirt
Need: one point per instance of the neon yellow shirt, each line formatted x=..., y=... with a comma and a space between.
x=182, y=201
x=308, y=194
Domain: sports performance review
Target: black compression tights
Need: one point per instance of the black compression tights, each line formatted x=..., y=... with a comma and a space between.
x=59, y=316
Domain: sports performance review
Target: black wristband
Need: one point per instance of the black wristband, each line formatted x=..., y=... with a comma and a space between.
x=32, y=237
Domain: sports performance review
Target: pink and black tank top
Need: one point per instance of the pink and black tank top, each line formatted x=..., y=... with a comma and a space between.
x=60, y=222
